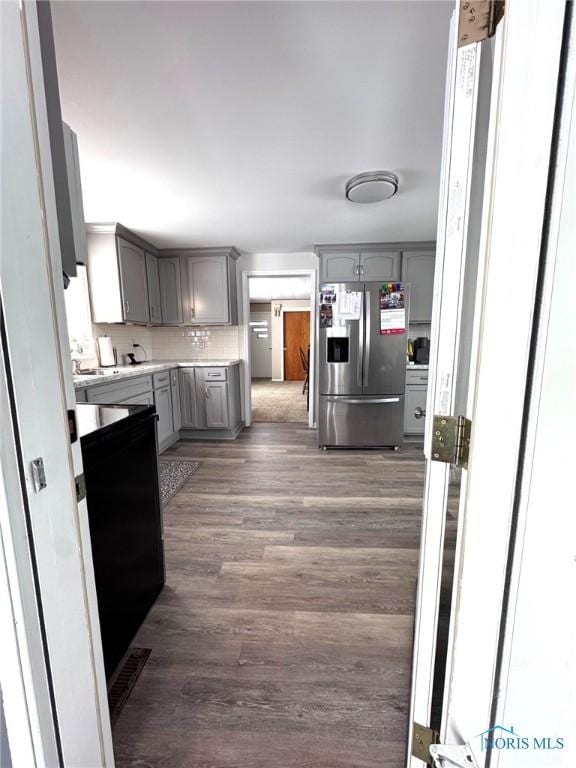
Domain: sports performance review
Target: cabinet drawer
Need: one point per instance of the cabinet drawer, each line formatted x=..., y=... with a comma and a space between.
x=161, y=379
x=119, y=391
x=215, y=374
x=416, y=376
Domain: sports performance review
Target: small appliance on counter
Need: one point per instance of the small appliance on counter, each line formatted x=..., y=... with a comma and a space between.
x=132, y=355
x=120, y=457
x=421, y=350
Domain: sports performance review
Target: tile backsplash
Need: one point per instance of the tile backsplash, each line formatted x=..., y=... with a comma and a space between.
x=171, y=343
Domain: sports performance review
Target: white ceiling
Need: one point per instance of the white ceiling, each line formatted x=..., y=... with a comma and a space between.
x=219, y=123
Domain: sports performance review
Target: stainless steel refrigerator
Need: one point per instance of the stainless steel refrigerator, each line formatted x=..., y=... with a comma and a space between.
x=362, y=364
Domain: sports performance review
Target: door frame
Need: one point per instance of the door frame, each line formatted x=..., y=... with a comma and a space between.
x=244, y=301
x=44, y=533
x=516, y=197
x=292, y=309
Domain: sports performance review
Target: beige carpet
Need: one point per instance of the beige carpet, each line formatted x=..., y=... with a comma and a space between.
x=278, y=401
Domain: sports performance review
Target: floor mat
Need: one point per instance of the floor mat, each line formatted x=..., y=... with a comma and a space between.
x=126, y=680
x=173, y=475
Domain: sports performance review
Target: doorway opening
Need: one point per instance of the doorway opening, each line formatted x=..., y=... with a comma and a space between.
x=280, y=340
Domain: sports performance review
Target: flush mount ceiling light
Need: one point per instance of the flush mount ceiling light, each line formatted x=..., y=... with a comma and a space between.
x=372, y=187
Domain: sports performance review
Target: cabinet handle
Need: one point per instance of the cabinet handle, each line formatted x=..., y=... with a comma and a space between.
x=419, y=413
x=126, y=306
x=361, y=268
x=192, y=311
x=207, y=391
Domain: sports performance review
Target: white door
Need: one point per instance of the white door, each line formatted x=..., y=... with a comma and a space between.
x=45, y=539
x=504, y=223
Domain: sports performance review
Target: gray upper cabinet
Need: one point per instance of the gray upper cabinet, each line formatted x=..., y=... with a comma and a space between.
x=170, y=290
x=153, y=289
x=210, y=287
x=358, y=263
x=117, y=275
x=418, y=270
x=134, y=283
x=339, y=267
x=80, y=253
x=379, y=265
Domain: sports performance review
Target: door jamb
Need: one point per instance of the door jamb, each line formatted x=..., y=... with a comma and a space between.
x=245, y=333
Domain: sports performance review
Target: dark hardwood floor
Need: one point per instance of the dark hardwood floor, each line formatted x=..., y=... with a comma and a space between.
x=283, y=636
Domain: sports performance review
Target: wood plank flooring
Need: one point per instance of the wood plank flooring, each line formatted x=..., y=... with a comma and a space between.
x=283, y=637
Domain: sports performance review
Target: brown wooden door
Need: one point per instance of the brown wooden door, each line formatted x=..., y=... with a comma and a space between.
x=296, y=335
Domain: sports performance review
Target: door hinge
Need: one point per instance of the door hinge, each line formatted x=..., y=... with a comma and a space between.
x=478, y=20
x=451, y=440
x=80, y=487
x=452, y=756
x=422, y=740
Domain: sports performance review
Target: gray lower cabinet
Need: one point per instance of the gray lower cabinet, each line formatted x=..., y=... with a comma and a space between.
x=414, y=409
x=170, y=290
x=187, y=381
x=418, y=270
x=216, y=399
x=175, y=392
x=163, y=403
x=154, y=301
x=210, y=401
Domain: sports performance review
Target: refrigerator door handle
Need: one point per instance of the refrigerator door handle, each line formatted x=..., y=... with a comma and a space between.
x=363, y=400
x=360, y=362
x=368, y=312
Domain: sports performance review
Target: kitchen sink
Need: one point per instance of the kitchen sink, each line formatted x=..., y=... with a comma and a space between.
x=96, y=372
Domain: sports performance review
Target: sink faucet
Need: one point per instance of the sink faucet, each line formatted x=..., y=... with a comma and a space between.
x=75, y=367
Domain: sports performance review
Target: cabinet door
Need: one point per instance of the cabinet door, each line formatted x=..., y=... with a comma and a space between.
x=170, y=290
x=153, y=289
x=339, y=267
x=380, y=265
x=76, y=205
x=418, y=270
x=216, y=393
x=175, y=391
x=415, y=398
x=163, y=403
x=189, y=412
x=208, y=290
x=134, y=285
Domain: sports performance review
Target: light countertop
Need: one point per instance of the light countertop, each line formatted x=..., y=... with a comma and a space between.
x=416, y=367
x=106, y=375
